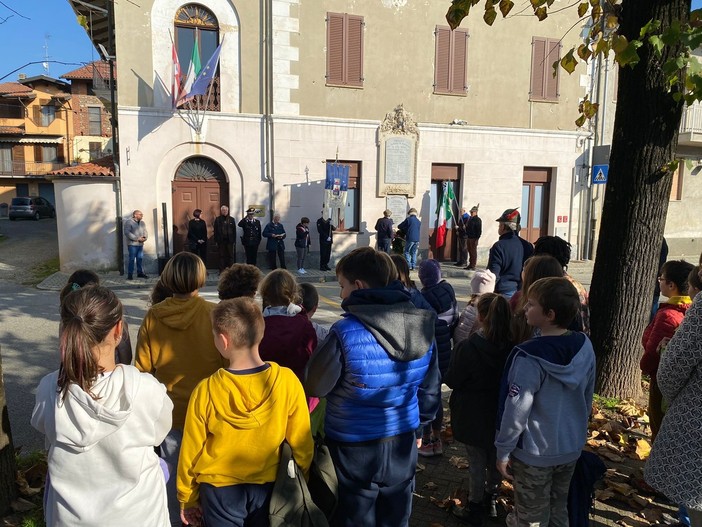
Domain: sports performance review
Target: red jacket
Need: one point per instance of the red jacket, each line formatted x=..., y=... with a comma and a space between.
x=667, y=319
x=289, y=341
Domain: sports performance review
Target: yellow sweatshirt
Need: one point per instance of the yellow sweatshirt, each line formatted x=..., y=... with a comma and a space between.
x=176, y=346
x=235, y=426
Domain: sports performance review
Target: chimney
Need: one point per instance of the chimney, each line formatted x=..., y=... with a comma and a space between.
x=22, y=76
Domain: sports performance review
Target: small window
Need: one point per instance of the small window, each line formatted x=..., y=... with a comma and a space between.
x=11, y=111
x=94, y=120
x=544, y=85
x=95, y=148
x=44, y=114
x=450, y=61
x=344, y=50
x=46, y=154
x=5, y=159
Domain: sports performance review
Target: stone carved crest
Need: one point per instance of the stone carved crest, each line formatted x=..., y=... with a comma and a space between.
x=399, y=122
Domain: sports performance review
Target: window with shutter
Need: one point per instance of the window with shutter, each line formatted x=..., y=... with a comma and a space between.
x=450, y=61
x=544, y=85
x=344, y=50
x=94, y=120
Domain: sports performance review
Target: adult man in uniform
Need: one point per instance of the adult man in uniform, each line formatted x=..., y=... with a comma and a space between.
x=251, y=235
x=325, y=229
x=474, y=229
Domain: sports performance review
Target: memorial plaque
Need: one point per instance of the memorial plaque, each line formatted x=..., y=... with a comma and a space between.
x=398, y=206
x=398, y=160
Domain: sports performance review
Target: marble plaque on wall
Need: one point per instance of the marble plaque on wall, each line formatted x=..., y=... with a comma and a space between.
x=398, y=138
x=398, y=206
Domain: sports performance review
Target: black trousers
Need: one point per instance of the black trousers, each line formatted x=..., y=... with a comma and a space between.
x=281, y=256
x=201, y=250
x=324, y=253
x=227, y=256
x=251, y=254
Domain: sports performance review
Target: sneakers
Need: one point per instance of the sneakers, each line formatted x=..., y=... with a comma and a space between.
x=301, y=271
x=130, y=277
x=431, y=448
x=142, y=275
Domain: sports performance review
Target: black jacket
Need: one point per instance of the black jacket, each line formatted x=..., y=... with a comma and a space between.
x=325, y=229
x=442, y=299
x=251, y=232
x=384, y=229
x=224, y=229
x=474, y=227
x=197, y=230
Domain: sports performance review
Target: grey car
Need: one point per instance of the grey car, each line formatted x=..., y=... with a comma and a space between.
x=32, y=208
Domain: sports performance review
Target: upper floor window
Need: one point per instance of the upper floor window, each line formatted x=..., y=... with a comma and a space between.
x=9, y=110
x=344, y=50
x=544, y=85
x=94, y=120
x=450, y=61
x=196, y=38
x=45, y=113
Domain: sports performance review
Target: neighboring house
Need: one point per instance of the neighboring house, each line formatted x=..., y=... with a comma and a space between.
x=35, y=125
x=301, y=84
x=92, y=132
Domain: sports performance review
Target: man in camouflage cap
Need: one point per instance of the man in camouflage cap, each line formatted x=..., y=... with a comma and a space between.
x=508, y=254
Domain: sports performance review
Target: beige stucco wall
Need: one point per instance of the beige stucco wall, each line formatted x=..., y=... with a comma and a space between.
x=81, y=147
x=683, y=229
x=398, y=66
x=85, y=223
x=144, y=36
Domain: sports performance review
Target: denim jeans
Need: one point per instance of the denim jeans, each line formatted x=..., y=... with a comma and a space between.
x=384, y=245
x=411, y=254
x=136, y=252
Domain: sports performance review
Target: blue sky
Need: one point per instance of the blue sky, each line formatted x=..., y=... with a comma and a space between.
x=52, y=23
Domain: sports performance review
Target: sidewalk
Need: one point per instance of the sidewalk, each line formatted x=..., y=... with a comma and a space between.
x=580, y=270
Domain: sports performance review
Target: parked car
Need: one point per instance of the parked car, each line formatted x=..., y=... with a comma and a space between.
x=32, y=207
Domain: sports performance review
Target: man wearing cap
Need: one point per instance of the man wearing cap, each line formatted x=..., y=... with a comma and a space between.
x=508, y=254
x=251, y=235
x=474, y=230
x=197, y=236
x=383, y=228
x=225, y=238
x=411, y=226
x=325, y=230
x=461, y=222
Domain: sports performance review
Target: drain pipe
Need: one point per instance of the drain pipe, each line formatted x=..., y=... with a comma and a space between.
x=268, y=105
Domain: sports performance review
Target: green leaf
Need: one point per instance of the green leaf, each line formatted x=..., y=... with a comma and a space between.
x=672, y=34
x=568, y=62
x=612, y=22
x=505, y=7
x=457, y=12
x=582, y=9
x=541, y=13
x=580, y=121
x=490, y=16
x=602, y=47
x=650, y=27
x=619, y=43
x=584, y=52
x=656, y=44
x=628, y=56
x=83, y=22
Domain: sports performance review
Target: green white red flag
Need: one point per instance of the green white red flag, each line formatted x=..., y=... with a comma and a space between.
x=443, y=212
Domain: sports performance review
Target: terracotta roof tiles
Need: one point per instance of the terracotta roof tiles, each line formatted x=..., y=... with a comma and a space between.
x=14, y=88
x=11, y=130
x=86, y=72
x=100, y=167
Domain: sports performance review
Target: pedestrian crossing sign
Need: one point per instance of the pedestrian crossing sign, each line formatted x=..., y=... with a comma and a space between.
x=599, y=174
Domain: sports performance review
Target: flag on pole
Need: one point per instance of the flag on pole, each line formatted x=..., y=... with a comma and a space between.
x=443, y=212
x=193, y=71
x=177, y=80
x=203, y=80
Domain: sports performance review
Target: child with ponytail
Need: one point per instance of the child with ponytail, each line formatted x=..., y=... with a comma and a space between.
x=101, y=421
x=474, y=374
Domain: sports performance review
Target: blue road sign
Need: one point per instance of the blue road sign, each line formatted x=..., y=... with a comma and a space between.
x=599, y=174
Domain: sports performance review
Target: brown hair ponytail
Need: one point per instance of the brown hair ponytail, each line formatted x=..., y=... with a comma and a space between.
x=87, y=316
x=496, y=318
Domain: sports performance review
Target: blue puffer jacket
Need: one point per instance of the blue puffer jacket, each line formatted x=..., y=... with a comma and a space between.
x=442, y=298
x=411, y=227
x=377, y=396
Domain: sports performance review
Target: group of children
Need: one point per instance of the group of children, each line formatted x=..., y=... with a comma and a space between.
x=234, y=372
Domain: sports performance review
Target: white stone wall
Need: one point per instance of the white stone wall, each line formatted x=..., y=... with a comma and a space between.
x=285, y=24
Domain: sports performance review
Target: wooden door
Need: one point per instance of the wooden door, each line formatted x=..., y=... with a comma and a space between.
x=191, y=195
x=452, y=174
x=535, y=203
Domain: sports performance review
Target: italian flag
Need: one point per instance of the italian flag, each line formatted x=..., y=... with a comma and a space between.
x=193, y=71
x=443, y=212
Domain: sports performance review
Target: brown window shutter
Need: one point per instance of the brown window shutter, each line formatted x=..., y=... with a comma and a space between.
x=18, y=154
x=538, y=58
x=458, y=73
x=554, y=54
x=36, y=114
x=60, y=157
x=441, y=60
x=354, y=50
x=335, y=48
x=38, y=154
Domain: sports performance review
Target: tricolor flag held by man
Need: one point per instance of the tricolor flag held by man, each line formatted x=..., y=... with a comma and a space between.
x=444, y=212
x=177, y=78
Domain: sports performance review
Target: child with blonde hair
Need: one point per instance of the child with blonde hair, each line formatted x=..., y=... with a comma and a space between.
x=481, y=283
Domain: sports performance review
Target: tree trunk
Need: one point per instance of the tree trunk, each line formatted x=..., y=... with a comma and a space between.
x=635, y=204
x=8, y=467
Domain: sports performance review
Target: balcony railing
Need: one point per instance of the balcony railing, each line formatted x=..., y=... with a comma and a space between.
x=691, y=121
x=28, y=168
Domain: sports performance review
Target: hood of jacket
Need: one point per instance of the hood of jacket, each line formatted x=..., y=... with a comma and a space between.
x=244, y=401
x=179, y=313
x=80, y=421
x=563, y=358
x=403, y=330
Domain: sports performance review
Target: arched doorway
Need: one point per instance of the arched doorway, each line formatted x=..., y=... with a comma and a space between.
x=199, y=183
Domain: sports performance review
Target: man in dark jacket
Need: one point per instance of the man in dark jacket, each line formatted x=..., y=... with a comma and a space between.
x=225, y=238
x=197, y=236
x=325, y=230
x=508, y=254
x=379, y=373
x=251, y=235
x=474, y=230
x=411, y=227
x=383, y=228
x=275, y=232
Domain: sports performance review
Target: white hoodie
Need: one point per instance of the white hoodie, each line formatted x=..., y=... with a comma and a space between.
x=103, y=470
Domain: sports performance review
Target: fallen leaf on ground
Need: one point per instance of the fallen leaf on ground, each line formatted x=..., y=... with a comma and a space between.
x=446, y=503
x=643, y=449
x=22, y=505
x=430, y=485
x=652, y=515
x=604, y=494
x=640, y=500
x=610, y=455
x=459, y=462
x=622, y=488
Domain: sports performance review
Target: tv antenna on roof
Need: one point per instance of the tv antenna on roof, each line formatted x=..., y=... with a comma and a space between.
x=45, y=64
